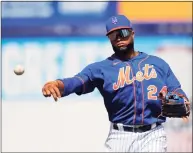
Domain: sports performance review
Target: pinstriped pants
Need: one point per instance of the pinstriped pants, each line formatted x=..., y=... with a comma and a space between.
x=153, y=140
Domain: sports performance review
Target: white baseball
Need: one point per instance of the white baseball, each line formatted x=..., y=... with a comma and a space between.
x=19, y=70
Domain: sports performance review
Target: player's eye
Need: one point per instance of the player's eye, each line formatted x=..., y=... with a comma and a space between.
x=113, y=36
x=122, y=33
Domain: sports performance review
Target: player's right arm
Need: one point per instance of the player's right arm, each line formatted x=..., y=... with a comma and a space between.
x=83, y=82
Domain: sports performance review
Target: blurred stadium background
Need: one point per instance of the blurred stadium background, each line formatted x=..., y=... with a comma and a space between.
x=58, y=39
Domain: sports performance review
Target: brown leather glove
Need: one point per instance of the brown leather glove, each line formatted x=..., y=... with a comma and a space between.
x=54, y=89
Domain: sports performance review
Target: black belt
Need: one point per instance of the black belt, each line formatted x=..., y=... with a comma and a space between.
x=142, y=128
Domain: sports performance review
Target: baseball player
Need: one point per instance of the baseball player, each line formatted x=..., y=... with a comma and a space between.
x=134, y=86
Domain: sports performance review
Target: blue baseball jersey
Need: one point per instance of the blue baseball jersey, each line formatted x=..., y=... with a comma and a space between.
x=129, y=88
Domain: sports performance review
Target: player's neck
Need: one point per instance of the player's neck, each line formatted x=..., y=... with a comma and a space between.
x=131, y=54
x=128, y=55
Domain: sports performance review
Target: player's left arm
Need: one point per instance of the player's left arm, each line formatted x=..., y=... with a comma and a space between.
x=175, y=102
x=173, y=84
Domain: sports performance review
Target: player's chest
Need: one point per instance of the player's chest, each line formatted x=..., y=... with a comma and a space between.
x=128, y=76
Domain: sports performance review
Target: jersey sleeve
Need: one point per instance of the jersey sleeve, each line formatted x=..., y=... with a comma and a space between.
x=173, y=83
x=81, y=83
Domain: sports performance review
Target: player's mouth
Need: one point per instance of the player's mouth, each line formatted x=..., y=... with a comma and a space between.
x=120, y=45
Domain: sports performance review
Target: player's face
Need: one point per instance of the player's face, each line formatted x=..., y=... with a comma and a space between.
x=121, y=38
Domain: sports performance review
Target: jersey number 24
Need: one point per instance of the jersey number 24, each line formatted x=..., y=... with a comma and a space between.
x=152, y=90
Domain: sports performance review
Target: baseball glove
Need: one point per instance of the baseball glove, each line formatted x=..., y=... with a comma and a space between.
x=174, y=105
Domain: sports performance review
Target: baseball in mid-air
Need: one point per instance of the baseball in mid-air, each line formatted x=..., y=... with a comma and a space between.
x=19, y=70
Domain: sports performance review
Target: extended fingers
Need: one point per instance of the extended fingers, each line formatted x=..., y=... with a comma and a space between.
x=51, y=89
x=58, y=94
x=53, y=93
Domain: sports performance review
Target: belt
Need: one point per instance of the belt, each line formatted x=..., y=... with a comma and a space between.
x=142, y=128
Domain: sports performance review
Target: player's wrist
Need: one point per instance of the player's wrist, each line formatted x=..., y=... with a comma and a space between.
x=59, y=84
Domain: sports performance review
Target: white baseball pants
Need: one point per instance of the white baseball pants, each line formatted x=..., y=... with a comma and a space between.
x=153, y=140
